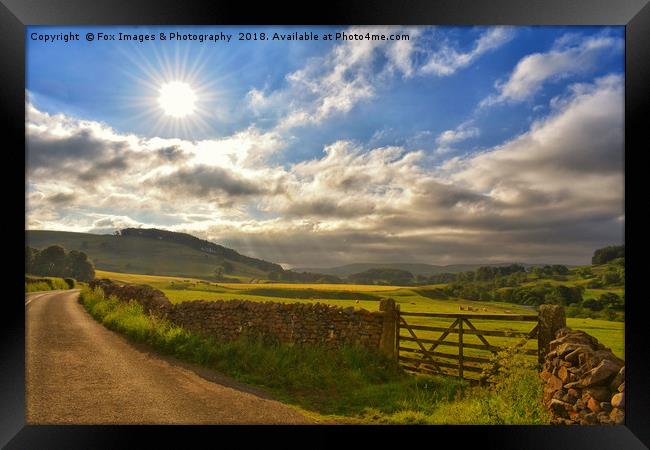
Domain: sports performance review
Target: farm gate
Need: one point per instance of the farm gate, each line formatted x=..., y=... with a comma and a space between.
x=420, y=348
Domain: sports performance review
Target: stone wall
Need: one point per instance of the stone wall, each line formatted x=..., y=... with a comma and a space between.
x=584, y=380
x=294, y=322
x=153, y=300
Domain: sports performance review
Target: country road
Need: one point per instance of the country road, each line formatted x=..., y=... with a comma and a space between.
x=79, y=372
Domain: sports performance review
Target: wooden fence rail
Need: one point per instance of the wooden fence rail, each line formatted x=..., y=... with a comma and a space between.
x=425, y=359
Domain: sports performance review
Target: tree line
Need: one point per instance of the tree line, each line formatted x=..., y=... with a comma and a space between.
x=54, y=261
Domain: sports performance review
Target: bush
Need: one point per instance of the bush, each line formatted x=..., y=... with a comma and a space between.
x=70, y=282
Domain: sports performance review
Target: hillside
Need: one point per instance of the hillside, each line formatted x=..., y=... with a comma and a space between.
x=134, y=253
x=415, y=269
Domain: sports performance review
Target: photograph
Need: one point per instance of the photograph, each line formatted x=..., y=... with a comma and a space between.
x=325, y=225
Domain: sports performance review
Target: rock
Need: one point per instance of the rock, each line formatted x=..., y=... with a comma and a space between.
x=571, y=397
x=606, y=407
x=593, y=405
x=618, y=379
x=554, y=383
x=573, y=357
x=618, y=400
x=559, y=395
x=617, y=416
x=603, y=418
x=590, y=418
x=563, y=374
x=599, y=355
x=560, y=408
x=606, y=370
x=600, y=393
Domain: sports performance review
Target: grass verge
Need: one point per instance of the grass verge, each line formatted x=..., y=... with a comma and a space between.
x=36, y=284
x=352, y=383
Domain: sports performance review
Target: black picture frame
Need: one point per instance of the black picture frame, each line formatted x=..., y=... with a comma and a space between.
x=16, y=14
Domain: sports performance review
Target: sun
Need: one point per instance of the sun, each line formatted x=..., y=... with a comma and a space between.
x=177, y=99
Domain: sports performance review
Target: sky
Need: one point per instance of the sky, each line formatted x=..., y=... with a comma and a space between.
x=438, y=145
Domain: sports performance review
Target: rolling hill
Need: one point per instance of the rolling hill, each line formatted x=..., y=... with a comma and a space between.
x=153, y=252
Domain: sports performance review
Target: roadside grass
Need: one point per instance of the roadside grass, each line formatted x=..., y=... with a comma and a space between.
x=351, y=384
x=44, y=284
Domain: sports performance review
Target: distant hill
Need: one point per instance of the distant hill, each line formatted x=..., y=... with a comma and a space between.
x=154, y=252
x=415, y=269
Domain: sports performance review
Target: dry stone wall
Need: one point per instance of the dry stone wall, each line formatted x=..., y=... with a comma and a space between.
x=584, y=380
x=294, y=322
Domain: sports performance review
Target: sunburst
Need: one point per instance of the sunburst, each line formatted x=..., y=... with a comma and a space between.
x=174, y=96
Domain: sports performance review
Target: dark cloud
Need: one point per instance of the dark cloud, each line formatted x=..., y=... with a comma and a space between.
x=172, y=154
x=205, y=181
x=82, y=147
x=321, y=207
x=61, y=198
x=105, y=168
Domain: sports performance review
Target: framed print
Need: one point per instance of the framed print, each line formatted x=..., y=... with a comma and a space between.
x=379, y=220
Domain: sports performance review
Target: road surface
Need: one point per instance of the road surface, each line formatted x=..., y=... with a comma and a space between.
x=79, y=372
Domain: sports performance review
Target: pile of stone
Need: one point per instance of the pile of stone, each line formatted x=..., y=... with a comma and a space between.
x=584, y=381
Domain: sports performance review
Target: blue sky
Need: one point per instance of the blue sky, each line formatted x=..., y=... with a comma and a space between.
x=276, y=122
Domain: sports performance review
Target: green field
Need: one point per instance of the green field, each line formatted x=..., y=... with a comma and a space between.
x=409, y=299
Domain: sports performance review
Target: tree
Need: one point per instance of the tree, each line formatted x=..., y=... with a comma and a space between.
x=228, y=267
x=30, y=259
x=592, y=304
x=560, y=269
x=51, y=262
x=79, y=266
x=55, y=262
x=610, y=277
x=609, y=253
x=612, y=301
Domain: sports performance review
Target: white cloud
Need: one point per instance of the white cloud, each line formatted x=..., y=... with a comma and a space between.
x=461, y=133
x=349, y=74
x=572, y=157
x=447, y=60
x=568, y=56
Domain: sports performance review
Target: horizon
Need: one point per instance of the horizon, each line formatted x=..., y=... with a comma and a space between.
x=488, y=144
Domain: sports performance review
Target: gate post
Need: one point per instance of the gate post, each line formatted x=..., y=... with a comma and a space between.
x=551, y=319
x=388, y=341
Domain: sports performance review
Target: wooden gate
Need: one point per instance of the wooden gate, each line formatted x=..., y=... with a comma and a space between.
x=420, y=352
